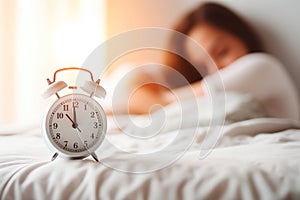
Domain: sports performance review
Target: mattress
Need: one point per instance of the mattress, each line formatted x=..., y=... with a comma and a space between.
x=255, y=158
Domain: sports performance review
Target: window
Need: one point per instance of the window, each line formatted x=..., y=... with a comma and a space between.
x=38, y=37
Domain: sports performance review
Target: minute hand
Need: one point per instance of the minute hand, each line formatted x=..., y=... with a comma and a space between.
x=74, y=118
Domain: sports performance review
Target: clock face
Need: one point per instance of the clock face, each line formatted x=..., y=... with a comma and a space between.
x=75, y=125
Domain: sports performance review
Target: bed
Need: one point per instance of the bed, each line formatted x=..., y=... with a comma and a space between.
x=252, y=157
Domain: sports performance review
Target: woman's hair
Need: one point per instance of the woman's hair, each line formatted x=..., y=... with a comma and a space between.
x=215, y=15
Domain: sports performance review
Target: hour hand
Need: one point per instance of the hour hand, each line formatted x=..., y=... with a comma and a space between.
x=74, y=125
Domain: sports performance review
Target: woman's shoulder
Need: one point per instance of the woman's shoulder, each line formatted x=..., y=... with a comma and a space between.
x=257, y=63
x=268, y=80
x=259, y=57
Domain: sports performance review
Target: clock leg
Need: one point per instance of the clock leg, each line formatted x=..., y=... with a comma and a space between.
x=95, y=156
x=54, y=156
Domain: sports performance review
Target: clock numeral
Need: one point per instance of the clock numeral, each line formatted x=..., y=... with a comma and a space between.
x=93, y=136
x=66, y=107
x=85, y=143
x=59, y=115
x=75, y=145
x=55, y=125
x=57, y=136
x=75, y=104
x=95, y=125
x=66, y=144
x=92, y=114
x=85, y=106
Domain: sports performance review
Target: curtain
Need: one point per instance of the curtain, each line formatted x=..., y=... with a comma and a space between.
x=36, y=38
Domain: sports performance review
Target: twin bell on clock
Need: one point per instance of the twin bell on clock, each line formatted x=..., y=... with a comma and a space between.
x=75, y=125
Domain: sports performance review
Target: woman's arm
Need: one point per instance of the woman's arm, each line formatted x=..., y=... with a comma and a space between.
x=193, y=90
x=144, y=98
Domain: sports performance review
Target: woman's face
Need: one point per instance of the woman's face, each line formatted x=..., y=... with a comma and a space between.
x=223, y=47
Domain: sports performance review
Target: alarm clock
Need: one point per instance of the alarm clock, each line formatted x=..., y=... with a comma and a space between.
x=75, y=125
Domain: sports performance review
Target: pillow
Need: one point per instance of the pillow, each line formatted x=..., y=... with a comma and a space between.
x=236, y=107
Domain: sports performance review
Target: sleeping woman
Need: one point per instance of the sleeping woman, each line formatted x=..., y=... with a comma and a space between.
x=238, y=55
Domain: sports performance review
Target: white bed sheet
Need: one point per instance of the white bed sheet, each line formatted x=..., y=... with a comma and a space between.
x=249, y=158
x=247, y=163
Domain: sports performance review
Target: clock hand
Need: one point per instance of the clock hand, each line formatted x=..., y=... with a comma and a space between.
x=74, y=118
x=73, y=124
x=70, y=120
x=78, y=129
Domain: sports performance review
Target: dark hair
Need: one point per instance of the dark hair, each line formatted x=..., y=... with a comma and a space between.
x=215, y=15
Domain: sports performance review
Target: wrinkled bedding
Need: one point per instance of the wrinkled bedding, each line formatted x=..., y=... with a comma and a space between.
x=250, y=157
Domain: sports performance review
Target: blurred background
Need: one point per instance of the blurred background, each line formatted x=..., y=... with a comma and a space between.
x=39, y=36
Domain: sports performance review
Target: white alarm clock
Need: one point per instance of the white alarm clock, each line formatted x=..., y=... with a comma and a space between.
x=75, y=124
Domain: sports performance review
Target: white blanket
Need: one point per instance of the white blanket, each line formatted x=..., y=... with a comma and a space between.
x=251, y=159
